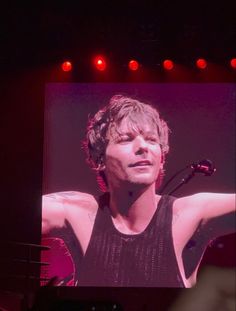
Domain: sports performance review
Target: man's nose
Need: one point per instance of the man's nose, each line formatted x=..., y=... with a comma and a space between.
x=140, y=145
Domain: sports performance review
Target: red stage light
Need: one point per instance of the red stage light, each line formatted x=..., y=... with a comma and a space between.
x=100, y=63
x=133, y=65
x=201, y=63
x=66, y=66
x=233, y=63
x=168, y=64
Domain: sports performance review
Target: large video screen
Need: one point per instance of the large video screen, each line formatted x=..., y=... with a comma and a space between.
x=92, y=244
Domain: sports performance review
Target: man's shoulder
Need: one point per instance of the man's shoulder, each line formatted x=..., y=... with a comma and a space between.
x=190, y=200
x=197, y=205
x=188, y=205
x=197, y=199
x=72, y=198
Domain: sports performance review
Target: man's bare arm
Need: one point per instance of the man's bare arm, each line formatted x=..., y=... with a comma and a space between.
x=216, y=210
x=215, y=204
x=53, y=212
x=61, y=206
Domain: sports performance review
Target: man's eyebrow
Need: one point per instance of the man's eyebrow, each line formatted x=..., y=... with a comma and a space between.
x=151, y=132
x=126, y=133
x=132, y=133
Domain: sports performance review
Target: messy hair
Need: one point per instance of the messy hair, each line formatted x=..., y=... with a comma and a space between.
x=120, y=107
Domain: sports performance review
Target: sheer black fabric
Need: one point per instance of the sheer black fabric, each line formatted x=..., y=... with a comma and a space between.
x=116, y=259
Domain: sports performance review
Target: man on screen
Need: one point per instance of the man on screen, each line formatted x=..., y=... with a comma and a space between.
x=131, y=236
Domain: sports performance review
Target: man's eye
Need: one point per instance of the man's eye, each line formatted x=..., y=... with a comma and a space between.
x=152, y=139
x=124, y=139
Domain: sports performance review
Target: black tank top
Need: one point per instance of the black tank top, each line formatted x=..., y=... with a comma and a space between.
x=146, y=259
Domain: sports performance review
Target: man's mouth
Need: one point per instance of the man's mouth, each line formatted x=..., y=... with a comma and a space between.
x=141, y=163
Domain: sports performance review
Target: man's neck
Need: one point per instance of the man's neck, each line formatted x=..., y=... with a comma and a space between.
x=133, y=209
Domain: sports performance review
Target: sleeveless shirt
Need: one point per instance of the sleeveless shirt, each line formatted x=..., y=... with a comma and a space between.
x=114, y=259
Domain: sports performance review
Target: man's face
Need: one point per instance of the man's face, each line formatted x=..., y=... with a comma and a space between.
x=133, y=157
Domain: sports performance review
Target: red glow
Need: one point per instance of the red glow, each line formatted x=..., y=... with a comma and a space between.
x=168, y=64
x=233, y=63
x=66, y=66
x=201, y=63
x=133, y=65
x=100, y=63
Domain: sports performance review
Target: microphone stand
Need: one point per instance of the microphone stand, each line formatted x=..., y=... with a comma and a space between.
x=168, y=182
x=204, y=166
x=185, y=180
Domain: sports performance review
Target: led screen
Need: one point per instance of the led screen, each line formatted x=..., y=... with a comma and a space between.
x=201, y=118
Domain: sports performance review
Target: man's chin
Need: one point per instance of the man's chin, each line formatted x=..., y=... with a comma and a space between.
x=145, y=182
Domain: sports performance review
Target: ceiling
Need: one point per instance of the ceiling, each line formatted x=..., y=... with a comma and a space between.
x=41, y=33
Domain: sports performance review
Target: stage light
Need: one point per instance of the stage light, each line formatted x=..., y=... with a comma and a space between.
x=133, y=65
x=100, y=63
x=233, y=63
x=66, y=66
x=168, y=64
x=201, y=63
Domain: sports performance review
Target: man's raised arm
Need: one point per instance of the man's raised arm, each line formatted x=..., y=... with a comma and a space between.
x=218, y=211
x=73, y=206
x=53, y=212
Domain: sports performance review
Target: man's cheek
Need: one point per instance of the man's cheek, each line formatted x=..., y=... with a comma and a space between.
x=115, y=167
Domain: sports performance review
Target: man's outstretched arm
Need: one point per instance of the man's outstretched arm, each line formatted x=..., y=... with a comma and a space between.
x=73, y=206
x=53, y=212
x=217, y=210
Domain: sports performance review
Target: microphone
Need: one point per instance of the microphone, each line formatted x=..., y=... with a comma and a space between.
x=205, y=167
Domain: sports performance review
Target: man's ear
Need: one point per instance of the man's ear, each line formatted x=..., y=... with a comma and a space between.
x=101, y=165
x=162, y=161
